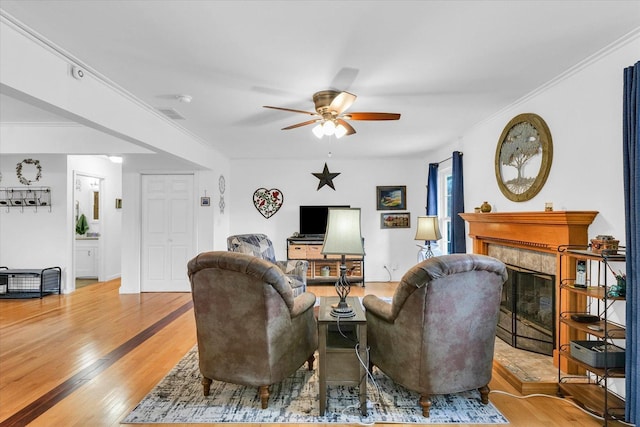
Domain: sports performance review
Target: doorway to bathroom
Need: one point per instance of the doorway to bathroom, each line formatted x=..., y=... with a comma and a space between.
x=88, y=228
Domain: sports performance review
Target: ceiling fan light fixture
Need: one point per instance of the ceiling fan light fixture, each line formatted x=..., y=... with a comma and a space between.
x=340, y=131
x=330, y=117
x=329, y=127
x=318, y=131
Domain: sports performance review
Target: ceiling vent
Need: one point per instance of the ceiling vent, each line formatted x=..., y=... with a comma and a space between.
x=171, y=113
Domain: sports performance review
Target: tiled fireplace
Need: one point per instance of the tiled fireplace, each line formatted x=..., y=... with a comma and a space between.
x=528, y=242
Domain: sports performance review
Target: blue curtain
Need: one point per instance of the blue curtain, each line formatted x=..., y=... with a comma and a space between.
x=458, y=234
x=432, y=189
x=631, y=173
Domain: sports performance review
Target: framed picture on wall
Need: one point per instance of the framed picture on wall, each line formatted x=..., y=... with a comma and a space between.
x=392, y=197
x=205, y=201
x=395, y=220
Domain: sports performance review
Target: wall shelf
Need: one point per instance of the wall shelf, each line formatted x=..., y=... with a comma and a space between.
x=29, y=197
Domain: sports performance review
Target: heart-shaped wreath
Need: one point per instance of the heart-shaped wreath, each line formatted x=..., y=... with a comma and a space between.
x=268, y=202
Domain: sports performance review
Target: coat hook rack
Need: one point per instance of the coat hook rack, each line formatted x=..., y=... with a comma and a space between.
x=21, y=197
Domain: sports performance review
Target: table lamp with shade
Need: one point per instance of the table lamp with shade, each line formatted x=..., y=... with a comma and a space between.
x=343, y=237
x=428, y=230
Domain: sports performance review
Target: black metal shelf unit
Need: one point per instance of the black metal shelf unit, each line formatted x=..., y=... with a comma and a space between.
x=594, y=339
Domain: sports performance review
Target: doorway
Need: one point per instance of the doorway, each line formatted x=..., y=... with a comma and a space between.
x=88, y=228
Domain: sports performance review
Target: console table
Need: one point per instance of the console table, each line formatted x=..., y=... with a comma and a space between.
x=339, y=363
x=323, y=268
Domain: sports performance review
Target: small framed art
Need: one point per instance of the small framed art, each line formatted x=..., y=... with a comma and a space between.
x=395, y=220
x=391, y=197
x=205, y=201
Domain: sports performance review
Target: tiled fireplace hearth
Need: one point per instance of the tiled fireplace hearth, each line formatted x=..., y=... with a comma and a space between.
x=530, y=241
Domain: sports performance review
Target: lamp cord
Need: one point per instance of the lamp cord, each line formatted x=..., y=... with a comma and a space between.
x=387, y=268
x=558, y=398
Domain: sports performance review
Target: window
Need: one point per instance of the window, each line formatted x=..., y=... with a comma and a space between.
x=445, y=182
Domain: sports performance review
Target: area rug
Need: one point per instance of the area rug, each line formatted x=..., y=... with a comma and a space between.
x=178, y=398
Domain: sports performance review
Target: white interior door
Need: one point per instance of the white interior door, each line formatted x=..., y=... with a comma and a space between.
x=167, y=232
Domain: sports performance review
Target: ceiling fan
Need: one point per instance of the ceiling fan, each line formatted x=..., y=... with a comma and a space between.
x=330, y=114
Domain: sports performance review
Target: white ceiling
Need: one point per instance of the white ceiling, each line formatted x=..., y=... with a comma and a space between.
x=444, y=65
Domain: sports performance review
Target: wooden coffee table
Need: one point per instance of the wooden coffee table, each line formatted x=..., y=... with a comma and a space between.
x=339, y=364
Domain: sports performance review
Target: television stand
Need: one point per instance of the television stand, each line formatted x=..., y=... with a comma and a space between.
x=323, y=269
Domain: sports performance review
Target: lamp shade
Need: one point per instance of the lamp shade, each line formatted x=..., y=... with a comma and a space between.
x=343, y=235
x=428, y=228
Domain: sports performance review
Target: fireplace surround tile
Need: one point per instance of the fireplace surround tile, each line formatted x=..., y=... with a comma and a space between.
x=531, y=260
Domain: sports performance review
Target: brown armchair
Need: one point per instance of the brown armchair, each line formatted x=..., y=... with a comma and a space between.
x=250, y=328
x=437, y=336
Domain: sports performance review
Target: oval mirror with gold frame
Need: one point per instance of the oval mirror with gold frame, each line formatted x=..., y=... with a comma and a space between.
x=523, y=157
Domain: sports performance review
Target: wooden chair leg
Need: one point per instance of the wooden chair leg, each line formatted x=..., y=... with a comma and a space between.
x=425, y=402
x=206, y=386
x=310, y=361
x=484, y=394
x=263, y=390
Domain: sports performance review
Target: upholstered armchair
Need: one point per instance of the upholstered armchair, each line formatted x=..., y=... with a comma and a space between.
x=437, y=336
x=260, y=245
x=250, y=328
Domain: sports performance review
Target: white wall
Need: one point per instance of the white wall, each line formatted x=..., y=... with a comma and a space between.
x=355, y=186
x=45, y=238
x=212, y=225
x=31, y=239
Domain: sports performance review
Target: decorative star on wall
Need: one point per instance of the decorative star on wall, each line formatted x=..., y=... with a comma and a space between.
x=325, y=177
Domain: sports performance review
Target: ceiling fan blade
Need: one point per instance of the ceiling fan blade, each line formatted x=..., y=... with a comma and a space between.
x=372, y=116
x=342, y=102
x=291, y=110
x=297, y=125
x=344, y=78
x=347, y=126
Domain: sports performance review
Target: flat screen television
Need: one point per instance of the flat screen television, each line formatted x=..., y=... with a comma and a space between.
x=313, y=219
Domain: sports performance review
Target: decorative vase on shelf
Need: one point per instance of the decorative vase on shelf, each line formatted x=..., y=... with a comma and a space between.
x=619, y=289
x=485, y=207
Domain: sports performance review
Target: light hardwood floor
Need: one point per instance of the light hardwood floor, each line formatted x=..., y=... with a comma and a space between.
x=86, y=359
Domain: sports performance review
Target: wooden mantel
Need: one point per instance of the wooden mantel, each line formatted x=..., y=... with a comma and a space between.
x=542, y=231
